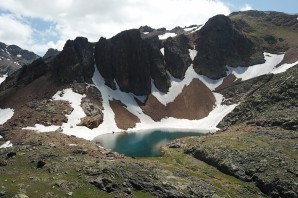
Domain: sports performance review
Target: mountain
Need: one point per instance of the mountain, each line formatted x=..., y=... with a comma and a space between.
x=51, y=52
x=237, y=72
x=13, y=58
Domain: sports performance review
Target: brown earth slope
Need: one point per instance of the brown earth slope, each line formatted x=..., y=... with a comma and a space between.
x=194, y=102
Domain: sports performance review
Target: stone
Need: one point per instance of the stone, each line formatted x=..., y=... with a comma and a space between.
x=20, y=195
x=10, y=154
x=3, y=162
x=40, y=164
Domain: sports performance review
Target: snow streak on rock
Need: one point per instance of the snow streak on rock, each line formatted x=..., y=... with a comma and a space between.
x=2, y=78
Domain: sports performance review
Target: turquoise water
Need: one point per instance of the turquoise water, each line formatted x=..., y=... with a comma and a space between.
x=141, y=144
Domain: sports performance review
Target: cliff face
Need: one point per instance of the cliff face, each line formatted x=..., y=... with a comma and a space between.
x=219, y=44
x=177, y=56
x=75, y=62
x=125, y=59
x=132, y=62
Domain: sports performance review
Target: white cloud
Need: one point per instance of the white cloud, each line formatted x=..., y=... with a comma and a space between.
x=96, y=18
x=14, y=30
x=246, y=7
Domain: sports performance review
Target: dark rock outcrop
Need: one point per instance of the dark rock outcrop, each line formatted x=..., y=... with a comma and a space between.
x=146, y=28
x=131, y=61
x=177, y=56
x=219, y=44
x=157, y=66
x=125, y=58
x=51, y=52
x=75, y=62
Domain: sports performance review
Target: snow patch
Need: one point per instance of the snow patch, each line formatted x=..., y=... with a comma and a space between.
x=162, y=50
x=166, y=35
x=6, y=145
x=19, y=55
x=42, y=128
x=245, y=73
x=283, y=68
x=177, y=84
x=2, y=78
x=75, y=102
x=193, y=29
x=5, y=115
x=192, y=54
x=1, y=137
x=145, y=32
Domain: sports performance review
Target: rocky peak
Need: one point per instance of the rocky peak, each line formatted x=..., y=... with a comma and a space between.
x=219, y=44
x=124, y=58
x=177, y=55
x=75, y=63
x=51, y=52
x=146, y=28
x=157, y=65
x=13, y=58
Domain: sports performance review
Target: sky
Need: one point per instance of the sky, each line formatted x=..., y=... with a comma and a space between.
x=37, y=25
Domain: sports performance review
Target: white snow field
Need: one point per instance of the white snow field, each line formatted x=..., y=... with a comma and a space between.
x=207, y=124
x=271, y=61
x=6, y=145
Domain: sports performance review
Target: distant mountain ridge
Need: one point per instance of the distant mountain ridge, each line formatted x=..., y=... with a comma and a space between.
x=13, y=58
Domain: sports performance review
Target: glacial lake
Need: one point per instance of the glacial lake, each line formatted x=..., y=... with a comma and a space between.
x=141, y=144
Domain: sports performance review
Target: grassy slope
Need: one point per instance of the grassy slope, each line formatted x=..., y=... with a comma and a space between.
x=261, y=28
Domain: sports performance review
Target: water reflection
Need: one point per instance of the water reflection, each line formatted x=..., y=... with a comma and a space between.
x=140, y=144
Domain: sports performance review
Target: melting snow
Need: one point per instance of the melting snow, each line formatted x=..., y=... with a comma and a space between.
x=42, y=128
x=6, y=145
x=283, y=68
x=245, y=73
x=177, y=84
x=75, y=101
x=5, y=114
x=2, y=78
x=162, y=50
x=193, y=29
x=207, y=124
x=166, y=35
